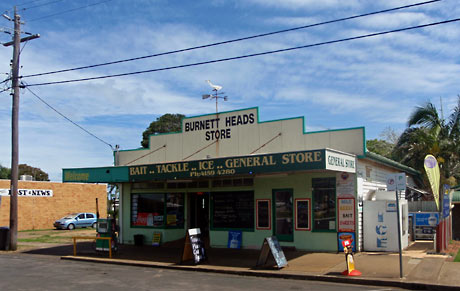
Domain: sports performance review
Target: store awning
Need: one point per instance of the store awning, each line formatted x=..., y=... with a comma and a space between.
x=415, y=193
x=323, y=159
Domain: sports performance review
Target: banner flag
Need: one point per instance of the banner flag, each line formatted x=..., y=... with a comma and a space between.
x=432, y=171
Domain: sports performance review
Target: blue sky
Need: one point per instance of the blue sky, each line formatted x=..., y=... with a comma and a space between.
x=374, y=82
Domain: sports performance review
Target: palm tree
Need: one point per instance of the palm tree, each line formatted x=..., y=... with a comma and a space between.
x=428, y=133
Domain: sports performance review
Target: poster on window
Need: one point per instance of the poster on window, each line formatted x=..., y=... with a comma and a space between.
x=346, y=184
x=302, y=214
x=346, y=214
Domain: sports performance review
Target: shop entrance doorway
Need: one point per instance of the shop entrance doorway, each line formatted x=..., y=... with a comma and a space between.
x=283, y=214
x=199, y=212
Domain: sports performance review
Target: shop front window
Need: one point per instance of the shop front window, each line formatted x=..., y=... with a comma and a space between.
x=175, y=210
x=150, y=210
x=232, y=210
x=324, y=204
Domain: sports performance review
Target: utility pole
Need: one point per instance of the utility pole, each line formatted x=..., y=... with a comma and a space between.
x=14, y=134
x=14, y=129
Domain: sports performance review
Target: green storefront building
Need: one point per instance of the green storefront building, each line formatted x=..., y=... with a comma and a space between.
x=231, y=172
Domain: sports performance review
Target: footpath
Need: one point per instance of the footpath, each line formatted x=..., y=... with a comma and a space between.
x=421, y=269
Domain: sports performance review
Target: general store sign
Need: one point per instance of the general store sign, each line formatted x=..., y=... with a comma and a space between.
x=323, y=159
x=255, y=164
x=29, y=192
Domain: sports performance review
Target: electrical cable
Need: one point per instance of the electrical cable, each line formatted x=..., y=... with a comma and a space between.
x=20, y=52
x=27, y=3
x=43, y=4
x=149, y=153
x=231, y=41
x=248, y=56
x=68, y=119
x=272, y=139
x=6, y=80
x=1, y=91
x=67, y=11
x=203, y=148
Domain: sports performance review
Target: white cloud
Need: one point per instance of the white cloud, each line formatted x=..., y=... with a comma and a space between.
x=307, y=4
x=395, y=20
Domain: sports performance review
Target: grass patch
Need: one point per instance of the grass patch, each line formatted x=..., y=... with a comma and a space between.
x=47, y=239
x=53, y=229
x=33, y=230
x=53, y=236
x=457, y=258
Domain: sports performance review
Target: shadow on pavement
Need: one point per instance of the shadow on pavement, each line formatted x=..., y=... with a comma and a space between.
x=241, y=258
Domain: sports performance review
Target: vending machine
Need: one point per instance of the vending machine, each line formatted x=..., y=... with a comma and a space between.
x=106, y=227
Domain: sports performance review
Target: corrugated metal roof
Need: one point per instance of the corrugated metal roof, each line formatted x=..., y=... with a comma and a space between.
x=391, y=163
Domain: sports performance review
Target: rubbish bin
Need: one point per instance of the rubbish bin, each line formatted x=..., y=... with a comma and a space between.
x=138, y=239
x=4, y=238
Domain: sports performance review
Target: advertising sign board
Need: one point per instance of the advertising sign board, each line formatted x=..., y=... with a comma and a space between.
x=344, y=236
x=346, y=216
x=426, y=218
x=445, y=206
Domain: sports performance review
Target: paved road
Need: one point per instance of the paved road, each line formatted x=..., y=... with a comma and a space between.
x=35, y=272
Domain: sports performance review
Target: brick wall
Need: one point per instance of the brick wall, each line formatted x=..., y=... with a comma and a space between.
x=41, y=212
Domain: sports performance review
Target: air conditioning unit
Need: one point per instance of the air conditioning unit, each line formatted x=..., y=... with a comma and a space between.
x=26, y=178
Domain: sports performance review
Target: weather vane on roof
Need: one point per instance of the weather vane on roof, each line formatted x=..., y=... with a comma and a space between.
x=216, y=95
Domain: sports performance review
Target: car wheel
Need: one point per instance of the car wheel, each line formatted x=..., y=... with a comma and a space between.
x=70, y=226
x=94, y=225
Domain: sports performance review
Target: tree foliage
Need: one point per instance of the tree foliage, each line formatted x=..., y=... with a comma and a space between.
x=24, y=169
x=166, y=123
x=389, y=135
x=380, y=147
x=429, y=133
x=36, y=173
x=5, y=173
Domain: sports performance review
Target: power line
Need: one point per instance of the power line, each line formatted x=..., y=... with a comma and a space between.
x=27, y=3
x=6, y=89
x=248, y=56
x=43, y=4
x=70, y=10
x=149, y=153
x=203, y=148
x=233, y=40
x=6, y=80
x=68, y=119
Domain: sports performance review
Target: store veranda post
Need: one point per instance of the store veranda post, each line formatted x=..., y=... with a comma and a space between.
x=238, y=179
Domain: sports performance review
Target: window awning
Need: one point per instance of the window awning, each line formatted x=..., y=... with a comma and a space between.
x=416, y=193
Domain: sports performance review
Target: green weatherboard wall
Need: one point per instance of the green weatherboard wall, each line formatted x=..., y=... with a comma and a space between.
x=301, y=188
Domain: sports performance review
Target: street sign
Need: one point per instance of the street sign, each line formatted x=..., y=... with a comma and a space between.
x=396, y=182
